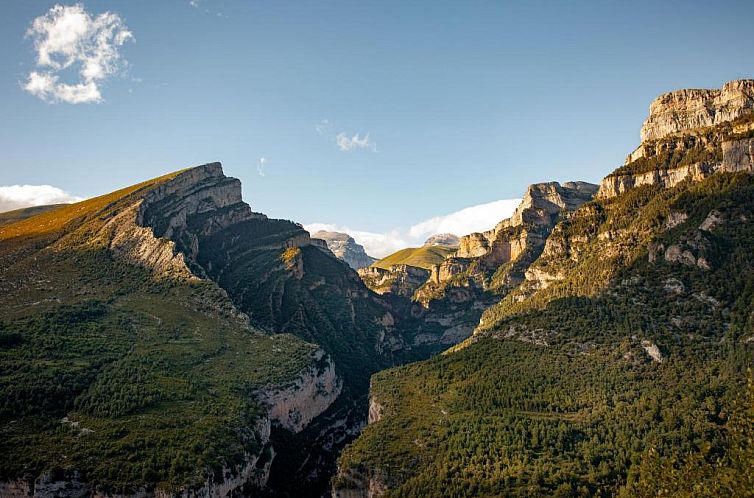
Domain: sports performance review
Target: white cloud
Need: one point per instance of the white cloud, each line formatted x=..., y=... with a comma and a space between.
x=346, y=143
x=260, y=165
x=21, y=196
x=472, y=219
x=66, y=36
x=468, y=220
x=375, y=244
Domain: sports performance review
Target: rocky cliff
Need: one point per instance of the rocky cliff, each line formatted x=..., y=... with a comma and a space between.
x=345, y=247
x=443, y=239
x=684, y=110
x=399, y=280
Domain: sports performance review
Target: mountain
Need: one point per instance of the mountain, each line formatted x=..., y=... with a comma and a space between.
x=345, y=247
x=420, y=257
x=615, y=359
x=166, y=339
x=443, y=239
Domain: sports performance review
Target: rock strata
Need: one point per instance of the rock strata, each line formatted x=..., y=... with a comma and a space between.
x=683, y=110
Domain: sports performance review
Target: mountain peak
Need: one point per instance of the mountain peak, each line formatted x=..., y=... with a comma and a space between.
x=344, y=247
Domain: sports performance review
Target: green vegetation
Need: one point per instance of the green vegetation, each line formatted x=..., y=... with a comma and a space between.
x=129, y=378
x=422, y=257
x=558, y=397
x=702, y=146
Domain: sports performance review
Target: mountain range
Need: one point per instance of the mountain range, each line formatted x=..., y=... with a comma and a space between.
x=167, y=340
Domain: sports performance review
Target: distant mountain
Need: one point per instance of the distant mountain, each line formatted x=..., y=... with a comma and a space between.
x=443, y=239
x=345, y=247
x=613, y=360
x=421, y=257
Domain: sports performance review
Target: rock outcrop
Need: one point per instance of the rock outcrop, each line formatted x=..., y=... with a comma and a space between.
x=294, y=406
x=344, y=247
x=684, y=110
x=443, y=239
x=518, y=238
x=737, y=155
x=399, y=280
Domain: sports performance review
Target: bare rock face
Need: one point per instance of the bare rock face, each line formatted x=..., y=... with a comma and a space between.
x=684, y=110
x=400, y=280
x=174, y=209
x=737, y=155
x=344, y=247
x=443, y=239
x=296, y=405
x=524, y=232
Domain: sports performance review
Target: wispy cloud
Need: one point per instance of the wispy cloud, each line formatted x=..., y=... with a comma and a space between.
x=21, y=196
x=346, y=143
x=323, y=127
x=261, y=163
x=468, y=220
x=66, y=36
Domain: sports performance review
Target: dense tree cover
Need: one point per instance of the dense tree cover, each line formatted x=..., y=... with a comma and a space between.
x=559, y=396
x=125, y=377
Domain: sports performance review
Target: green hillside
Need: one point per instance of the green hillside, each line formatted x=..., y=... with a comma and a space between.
x=423, y=257
x=559, y=395
x=126, y=377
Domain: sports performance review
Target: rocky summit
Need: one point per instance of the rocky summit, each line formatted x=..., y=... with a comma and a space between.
x=345, y=247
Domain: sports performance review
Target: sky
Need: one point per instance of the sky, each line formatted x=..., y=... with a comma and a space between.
x=373, y=116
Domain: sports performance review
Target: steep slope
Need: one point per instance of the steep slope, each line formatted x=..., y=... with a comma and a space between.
x=123, y=371
x=345, y=247
x=619, y=357
x=284, y=281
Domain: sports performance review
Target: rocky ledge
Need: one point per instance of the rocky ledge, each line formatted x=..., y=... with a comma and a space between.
x=683, y=110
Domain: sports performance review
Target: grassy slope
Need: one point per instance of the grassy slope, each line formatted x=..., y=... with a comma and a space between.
x=156, y=377
x=423, y=257
x=579, y=416
x=16, y=215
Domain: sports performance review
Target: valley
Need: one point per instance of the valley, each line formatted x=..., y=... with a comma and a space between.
x=167, y=340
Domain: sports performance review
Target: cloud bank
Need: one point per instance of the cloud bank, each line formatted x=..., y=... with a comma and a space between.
x=471, y=219
x=21, y=196
x=66, y=36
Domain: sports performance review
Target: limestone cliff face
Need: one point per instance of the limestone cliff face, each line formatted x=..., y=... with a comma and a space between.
x=294, y=406
x=683, y=110
x=399, y=280
x=443, y=239
x=737, y=155
x=514, y=239
x=344, y=247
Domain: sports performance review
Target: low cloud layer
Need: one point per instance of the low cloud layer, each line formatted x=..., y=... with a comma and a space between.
x=471, y=219
x=21, y=196
x=66, y=37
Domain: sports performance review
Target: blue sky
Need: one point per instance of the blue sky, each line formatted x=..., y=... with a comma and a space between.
x=463, y=103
